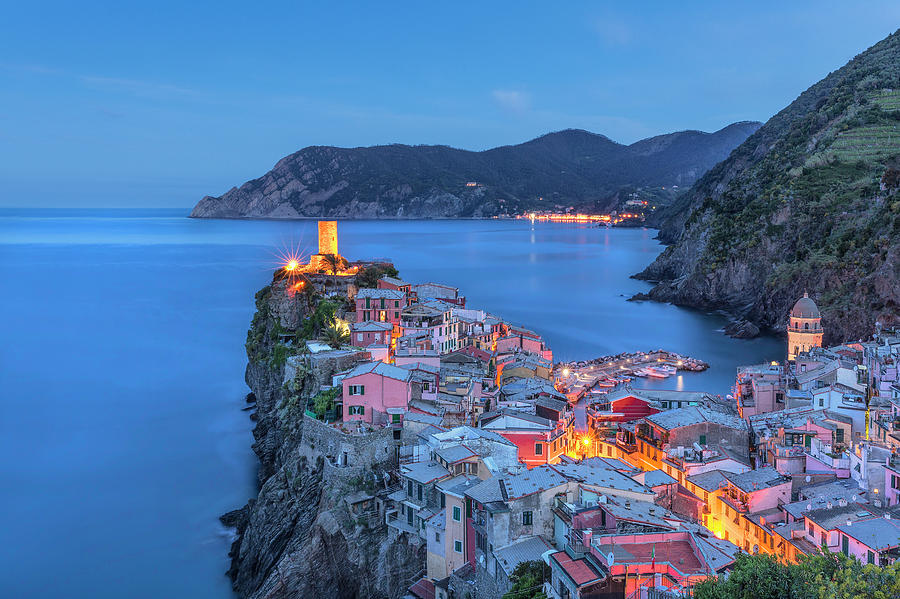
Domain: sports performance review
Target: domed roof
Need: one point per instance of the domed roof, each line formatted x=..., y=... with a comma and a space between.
x=805, y=308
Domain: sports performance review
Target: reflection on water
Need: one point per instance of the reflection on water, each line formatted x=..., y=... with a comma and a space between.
x=123, y=368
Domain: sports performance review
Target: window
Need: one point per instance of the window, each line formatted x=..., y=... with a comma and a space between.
x=839, y=435
x=419, y=494
x=356, y=410
x=395, y=418
x=871, y=557
x=409, y=488
x=367, y=304
x=457, y=546
x=702, y=439
x=396, y=315
x=538, y=449
x=437, y=536
x=396, y=303
x=457, y=513
x=443, y=501
x=356, y=390
x=527, y=518
x=382, y=304
x=359, y=337
x=821, y=401
x=845, y=545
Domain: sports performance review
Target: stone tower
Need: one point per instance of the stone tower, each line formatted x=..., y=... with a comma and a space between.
x=804, y=327
x=328, y=237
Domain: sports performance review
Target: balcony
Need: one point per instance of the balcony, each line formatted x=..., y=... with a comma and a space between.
x=789, y=451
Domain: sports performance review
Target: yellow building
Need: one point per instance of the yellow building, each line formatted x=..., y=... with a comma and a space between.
x=804, y=327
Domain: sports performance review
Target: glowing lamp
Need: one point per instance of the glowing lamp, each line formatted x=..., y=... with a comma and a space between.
x=292, y=265
x=587, y=442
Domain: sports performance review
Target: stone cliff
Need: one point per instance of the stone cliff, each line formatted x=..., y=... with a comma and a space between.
x=809, y=202
x=298, y=537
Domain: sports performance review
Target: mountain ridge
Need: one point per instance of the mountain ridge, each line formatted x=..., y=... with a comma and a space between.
x=808, y=202
x=567, y=167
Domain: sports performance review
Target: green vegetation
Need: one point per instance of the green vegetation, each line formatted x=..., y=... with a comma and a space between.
x=368, y=277
x=336, y=334
x=822, y=576
x=528, y=581
x=801, y=202
x=564, y=168
x=323, y=402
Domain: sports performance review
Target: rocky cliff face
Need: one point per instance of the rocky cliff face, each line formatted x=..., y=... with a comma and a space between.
x=567, y=168
x=297, y=537
x=807, y=203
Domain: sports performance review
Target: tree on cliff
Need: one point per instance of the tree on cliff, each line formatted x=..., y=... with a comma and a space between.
x=368, y=277
x=822, y=576
x=528, y=581
x=336, y=334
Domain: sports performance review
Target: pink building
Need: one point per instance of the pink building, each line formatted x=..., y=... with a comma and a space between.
x=875, y=541
x=383, y=305
x=892, y=484
x=376, y=393
x=370, y=332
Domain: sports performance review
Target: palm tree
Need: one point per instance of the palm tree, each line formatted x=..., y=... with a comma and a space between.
x=336, y=335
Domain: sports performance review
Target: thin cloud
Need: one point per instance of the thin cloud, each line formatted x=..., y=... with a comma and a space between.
x=512, y=100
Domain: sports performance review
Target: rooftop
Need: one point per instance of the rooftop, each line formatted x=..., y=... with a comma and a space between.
x=380, y=368
x=878, y=533
x=709, y=481
x=390, y=294
x=672, y=419
x=755, y=480
x=524, y=550
x=424, y=472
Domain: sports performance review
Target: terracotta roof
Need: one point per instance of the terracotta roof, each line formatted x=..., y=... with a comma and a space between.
x=580, y=571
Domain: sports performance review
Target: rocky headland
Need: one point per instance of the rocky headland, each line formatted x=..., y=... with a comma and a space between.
x=299, y=537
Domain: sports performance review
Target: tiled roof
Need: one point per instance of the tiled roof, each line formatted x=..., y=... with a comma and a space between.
x=510, y=420
x=393, y=281
x=454, y=453
x=391, y=294
x=524, y=550
x=580, y=571
x=370, y=326
x=655, y=478
x=385, y=370
x=878, y=533
x=591, y=472
x=424, y=472
x=672, y=419
x=709, y=481
x=755, y=480
x=539, y=478
x=831, y=518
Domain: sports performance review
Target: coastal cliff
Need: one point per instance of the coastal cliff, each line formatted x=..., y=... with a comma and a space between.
x=298, y=537
x=566, y=168
x=809, y=202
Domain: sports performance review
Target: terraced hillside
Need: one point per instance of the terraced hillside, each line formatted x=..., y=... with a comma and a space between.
x=809, y=202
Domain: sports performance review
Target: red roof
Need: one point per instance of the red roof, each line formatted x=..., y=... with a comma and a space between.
x=579, y=570
x=423, y=588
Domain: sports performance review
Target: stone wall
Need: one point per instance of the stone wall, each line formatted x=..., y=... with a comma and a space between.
x=347, y=452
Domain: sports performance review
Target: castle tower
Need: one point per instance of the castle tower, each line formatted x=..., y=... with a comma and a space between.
x=804, y=327
x=328, y=237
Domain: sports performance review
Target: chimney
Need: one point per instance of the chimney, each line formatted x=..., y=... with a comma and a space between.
x=887, y=516
x=849, y=522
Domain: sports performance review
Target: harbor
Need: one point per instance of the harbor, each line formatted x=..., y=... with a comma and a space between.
x=599, y=376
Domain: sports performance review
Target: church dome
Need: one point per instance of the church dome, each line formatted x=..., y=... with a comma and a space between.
x=805, y=308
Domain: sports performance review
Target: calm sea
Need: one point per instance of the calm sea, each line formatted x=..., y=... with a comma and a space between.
x=122, y=359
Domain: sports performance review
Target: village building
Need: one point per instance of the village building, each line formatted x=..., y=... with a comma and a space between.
x=383, y=305
x=804, y=327
x=377, y=393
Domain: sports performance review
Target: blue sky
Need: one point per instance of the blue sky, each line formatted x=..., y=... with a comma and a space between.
x=103, y=104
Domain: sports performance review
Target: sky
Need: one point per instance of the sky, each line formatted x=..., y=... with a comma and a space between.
x=157, y=104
